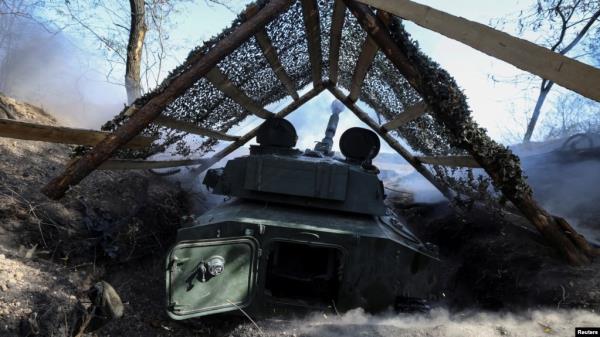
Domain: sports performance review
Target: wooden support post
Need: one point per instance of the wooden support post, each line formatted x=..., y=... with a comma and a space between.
x=270, y=53
x=199, y=65
x=219, y=80
x=406, y=116
x=451, y=110
x=412, y=160
x=124, y=164
x=312, y=24
x=365, y=59
x=59, y=134
x=451, y=161
x=569, y=73
x=335, y=39
x=251, y=134
x=193, y=128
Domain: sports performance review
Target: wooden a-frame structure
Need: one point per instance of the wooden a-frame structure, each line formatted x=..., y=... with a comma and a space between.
x=440, y=97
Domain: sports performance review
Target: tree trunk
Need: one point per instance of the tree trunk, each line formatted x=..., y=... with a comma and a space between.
x=137, y=33
x=544, y=90
x=449, y=106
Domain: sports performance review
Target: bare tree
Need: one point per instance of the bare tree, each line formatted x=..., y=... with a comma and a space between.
x=134, y=38
x=575, y=18
x=570, y=114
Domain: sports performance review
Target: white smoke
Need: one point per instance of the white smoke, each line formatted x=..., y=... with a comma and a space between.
x=46, y=69
x=438, y=323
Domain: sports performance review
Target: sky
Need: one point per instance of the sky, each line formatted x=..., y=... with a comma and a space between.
x=80, y=93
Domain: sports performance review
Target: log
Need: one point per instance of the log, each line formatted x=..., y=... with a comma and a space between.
x=219, y=80
x=193, y=128
x=451, y=161
x=365, y=59
x=125, y=164
x=451, y=110
x=312, y=25
x=335, y=39
x=199, y=66
x=270, y=53
x=394, y=144
x=59, y=134
x=251, y=134
x=569, y=73
x=411, y=113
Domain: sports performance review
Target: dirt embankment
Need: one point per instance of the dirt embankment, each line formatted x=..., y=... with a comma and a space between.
x=53, y=251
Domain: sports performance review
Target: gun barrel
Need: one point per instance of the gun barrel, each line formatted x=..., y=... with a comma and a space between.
x=325, y=146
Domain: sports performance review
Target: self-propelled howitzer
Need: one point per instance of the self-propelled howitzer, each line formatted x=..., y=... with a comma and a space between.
x=300, y=229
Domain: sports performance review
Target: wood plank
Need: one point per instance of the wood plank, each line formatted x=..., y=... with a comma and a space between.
x=219, y=80
x=393, y=143
x=270, y=54
x=569, y=73
x=365, y=59
x=199, y=65
x=335, y=39
x=251, y=134
x=312, y=25
x=124, y=164
x=411, y=113
x=59, y=134
x=451, y=161
x=193, y=128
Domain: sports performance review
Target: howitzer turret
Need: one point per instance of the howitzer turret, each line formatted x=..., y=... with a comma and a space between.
x=300, y=229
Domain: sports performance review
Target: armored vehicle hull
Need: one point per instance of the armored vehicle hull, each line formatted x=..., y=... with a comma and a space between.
x=277, y=257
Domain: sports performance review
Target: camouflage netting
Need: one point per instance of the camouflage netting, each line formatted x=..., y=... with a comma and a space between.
x=384, y=89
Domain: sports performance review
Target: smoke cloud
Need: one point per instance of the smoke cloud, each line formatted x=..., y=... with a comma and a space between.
x=438, y=323
x=47, y=69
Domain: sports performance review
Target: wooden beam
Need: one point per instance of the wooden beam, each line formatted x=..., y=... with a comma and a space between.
x=199, y=65
x=124, y=164
x=377, y=31
x=451, y=161
x=394, y=144
x=193, y=128
x=569, y=73
x=335, y=39
x=270, y=53
x=365, y=59
x=312, y=25
x=251, y=134
x=59, y=134
x=411, y=113
x=219, y=80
